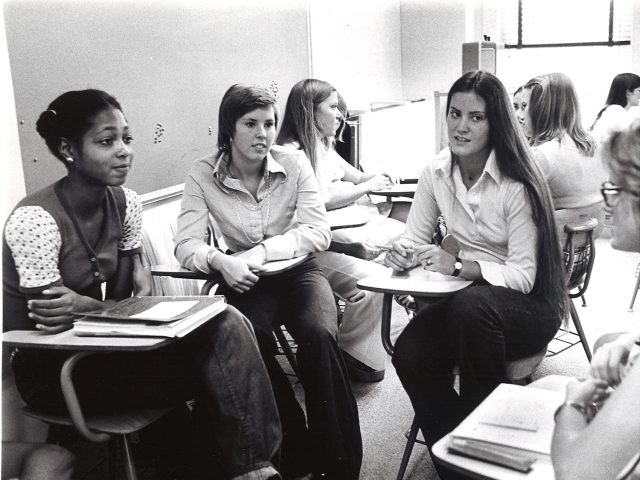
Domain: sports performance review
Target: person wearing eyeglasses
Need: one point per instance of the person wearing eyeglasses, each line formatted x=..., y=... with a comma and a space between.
x=578, y=449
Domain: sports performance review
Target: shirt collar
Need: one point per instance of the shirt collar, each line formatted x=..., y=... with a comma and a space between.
x=221, y=166
x=443, y=165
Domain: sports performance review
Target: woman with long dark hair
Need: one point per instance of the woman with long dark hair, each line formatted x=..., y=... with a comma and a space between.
x=624, y=93
x=498, y=211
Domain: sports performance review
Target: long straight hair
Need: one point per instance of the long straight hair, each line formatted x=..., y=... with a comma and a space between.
x=554, y=111
x=514, y=161
x=299, y=121
x=621, y=84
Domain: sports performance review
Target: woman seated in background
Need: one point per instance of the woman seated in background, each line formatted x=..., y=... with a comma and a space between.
x=565, y=152
x=268, y=207
x=624, y=93
x=517, y=104
x=498, y=210
x=63, y=242
x=577, y=450
x=310, y=122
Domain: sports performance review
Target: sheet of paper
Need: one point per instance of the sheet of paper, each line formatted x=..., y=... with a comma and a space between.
x=165, y=310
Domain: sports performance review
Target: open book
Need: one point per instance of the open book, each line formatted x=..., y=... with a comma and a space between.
x=515, y=417
x=151, y=316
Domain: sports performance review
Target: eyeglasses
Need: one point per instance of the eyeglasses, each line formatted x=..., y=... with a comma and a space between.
x=610, y=193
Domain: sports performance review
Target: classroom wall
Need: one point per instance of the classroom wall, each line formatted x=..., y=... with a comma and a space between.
x=356, y=46
x=432, y=35
x=167, y=62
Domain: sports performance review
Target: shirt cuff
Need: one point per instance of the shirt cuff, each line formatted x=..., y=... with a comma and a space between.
x=278, y=248
x=200, y=258
x=492, y=273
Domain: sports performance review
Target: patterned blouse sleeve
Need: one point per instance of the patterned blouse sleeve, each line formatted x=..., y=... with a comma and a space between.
x=34, y=239
x=132, y=227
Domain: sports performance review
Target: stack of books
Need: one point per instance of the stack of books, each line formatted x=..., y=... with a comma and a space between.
x=151, y=316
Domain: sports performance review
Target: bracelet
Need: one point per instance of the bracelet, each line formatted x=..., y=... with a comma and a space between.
x=576, y=406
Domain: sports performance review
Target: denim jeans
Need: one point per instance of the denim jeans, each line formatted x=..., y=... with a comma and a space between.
x=218, y=364
x=301, y=299
x=479, y=329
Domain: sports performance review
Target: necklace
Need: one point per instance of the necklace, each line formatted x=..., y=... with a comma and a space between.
x=238, y=199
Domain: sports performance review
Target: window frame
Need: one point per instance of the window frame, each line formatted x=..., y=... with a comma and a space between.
x=609, y=43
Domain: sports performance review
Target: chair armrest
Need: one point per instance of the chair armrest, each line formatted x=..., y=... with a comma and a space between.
x=177, y=271
x=581, y=227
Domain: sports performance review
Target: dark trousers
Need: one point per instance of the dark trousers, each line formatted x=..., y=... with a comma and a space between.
x=301, y=299
x=479, y=329
x=218, y=364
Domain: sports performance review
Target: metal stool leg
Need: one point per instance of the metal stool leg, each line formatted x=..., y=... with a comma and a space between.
x=411, y=440
x=128, y=459
x=286, y=348
x=635, y=290
x=578, y=325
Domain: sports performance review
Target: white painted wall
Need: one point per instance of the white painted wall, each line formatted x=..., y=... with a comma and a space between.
x=356, y=46
x=432, y=35
x=15, y=426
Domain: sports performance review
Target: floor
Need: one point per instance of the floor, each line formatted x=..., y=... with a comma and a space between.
x=385, y=411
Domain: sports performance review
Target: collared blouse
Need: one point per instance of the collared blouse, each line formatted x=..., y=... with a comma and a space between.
x=492, y=220
x=288, y=218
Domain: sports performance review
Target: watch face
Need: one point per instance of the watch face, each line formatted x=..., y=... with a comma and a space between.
x=457, y=265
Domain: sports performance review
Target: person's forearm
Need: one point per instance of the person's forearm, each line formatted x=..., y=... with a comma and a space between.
x=344, y=198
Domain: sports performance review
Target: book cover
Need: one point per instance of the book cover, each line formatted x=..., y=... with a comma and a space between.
x=141, y=317
x=153, y=308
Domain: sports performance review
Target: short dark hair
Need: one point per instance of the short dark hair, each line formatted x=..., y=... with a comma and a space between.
x=237, y=101
x=71, y=115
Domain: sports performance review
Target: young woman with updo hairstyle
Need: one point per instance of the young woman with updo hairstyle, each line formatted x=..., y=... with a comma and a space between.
x=61, y=244
x=498, y=211
x=624, y=93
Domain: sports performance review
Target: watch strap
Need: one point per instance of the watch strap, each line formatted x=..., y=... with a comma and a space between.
x=457, y=267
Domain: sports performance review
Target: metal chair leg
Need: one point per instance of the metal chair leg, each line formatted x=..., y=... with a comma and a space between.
x=411, y=440
x=128, y=459
x=578, y=325
x=635, y=290
x=584, y=301
x=286, y=348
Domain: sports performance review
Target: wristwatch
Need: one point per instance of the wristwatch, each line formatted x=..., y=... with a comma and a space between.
x=457, y=267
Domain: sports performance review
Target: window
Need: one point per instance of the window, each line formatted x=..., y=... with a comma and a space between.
x=551, y=23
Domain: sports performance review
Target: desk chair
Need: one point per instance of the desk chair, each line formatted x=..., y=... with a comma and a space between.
x=170, y=279
x=579, y=255
x=114, y=427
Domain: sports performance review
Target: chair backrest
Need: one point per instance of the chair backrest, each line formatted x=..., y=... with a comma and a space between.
x=158, y=230
x=579, y=255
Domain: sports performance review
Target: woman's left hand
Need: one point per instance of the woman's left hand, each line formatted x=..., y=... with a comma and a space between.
x=435, y=259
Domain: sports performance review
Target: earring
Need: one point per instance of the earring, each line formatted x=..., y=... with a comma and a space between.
x=69, y=159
